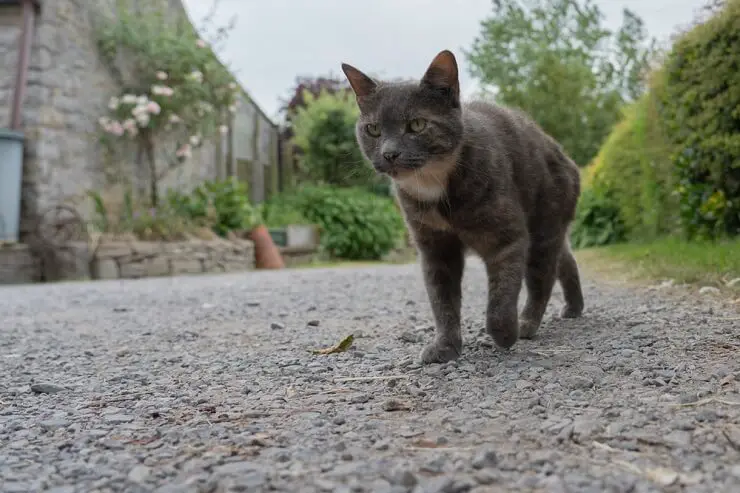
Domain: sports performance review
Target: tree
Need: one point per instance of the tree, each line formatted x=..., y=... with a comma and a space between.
x=555, y=60
x=324, y=132
x=314, y=86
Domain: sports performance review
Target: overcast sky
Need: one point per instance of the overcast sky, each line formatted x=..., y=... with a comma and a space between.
x=276, y=40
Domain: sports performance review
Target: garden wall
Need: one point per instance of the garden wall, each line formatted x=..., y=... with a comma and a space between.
x=130, y=260
x=133, y=260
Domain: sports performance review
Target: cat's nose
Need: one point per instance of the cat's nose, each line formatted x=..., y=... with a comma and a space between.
x=391, y=156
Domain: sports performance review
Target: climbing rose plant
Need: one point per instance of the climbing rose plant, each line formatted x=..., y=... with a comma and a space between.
x=176, y=93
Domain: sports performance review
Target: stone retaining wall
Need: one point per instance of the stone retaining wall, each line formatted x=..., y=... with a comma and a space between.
x=18, y=265
x=133, y=260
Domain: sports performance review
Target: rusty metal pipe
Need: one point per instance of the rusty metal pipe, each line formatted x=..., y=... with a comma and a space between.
x=24, y=53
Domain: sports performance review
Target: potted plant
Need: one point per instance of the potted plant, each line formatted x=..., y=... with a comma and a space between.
x=288, y=227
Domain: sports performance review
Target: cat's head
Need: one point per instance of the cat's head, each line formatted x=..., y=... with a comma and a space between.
x=406, y=126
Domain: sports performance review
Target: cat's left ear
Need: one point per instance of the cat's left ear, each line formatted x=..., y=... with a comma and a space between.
x=361, y=84
x=442, y=75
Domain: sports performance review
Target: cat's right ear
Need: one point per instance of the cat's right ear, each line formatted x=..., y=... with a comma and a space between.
x=361, y=84
x=442, y=75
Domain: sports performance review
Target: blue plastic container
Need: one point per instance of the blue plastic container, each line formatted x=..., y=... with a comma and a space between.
x=11, y=175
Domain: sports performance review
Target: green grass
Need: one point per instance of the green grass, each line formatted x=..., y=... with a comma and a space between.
x=703, y=263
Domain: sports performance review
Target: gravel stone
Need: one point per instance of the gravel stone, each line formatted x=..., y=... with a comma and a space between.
x=139, y=474
x=46, y=388
x=117, y=419
x=193, y=388
x=484, y=459
x=53, y=424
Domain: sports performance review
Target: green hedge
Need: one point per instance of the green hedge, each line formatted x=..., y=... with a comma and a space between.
x=700, y=106
x=635, y=165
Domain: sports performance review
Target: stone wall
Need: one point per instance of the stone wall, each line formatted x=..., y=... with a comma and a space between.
x=68, y=90
x=133, y=260
x=18, y=265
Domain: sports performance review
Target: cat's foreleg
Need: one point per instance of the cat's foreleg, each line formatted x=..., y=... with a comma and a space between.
x=505, y=267
x=443, y=263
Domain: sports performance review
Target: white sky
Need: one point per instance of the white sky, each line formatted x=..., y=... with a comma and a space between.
x=276, y=40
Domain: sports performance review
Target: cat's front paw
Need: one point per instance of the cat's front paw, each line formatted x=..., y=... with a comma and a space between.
x=528, y=328
x=571, y=311
x=504, y=331
x=440, y=351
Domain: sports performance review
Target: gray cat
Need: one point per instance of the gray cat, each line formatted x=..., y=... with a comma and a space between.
x=473, y=177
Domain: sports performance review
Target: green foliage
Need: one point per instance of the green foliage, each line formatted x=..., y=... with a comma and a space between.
x=158, y=55
x=223, y=204
x=324, y=132
x=149, y=224
x=555, y=60
x=635, y=166
x=597, y=221
x=356, y=224
x=174, y=89
x=701, y=109
x=277, y=213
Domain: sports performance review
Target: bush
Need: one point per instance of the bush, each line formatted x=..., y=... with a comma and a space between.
x=356, y=224
x=598, y=221
x=120, y=216
x=225, y=204
x=324, y=132
x=277, y=213
x=634, y=165
x=700, y=104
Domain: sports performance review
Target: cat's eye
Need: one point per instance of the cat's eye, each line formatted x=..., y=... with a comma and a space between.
x=417, y=125
x=372, y=129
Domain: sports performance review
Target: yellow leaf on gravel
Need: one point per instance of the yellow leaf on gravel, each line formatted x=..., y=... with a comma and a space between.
x=342, y=346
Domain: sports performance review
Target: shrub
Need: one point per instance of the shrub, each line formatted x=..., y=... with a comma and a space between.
x=324, y=131
x=224, y=204
x=356, y=224
x=597, y=220
x=700, y=104
x=276, y=213
x=314, y=86
x=635, y=166
x=175, y=94
x=164, y=223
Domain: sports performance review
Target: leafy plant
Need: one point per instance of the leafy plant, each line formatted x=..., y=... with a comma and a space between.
x=314, y=86
x=225, y=204
x=635, y=166
x=173, y=84
x=597, y=220
x=556, y=60
x=277, y=214
x=325, y=134
x=700, y=107
x=148, y=224
x=356, y=224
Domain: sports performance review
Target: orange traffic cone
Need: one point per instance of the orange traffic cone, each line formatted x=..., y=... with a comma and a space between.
x=266, y=253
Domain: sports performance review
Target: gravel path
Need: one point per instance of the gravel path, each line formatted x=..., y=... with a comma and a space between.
x=208, y=384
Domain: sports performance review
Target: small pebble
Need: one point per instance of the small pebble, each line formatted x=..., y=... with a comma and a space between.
x=46, y=388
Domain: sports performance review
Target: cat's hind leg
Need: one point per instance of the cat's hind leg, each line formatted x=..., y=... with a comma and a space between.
x=542, y=270
x=570, y=281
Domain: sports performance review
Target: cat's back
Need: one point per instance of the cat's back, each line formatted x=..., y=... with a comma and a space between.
x=500, y=121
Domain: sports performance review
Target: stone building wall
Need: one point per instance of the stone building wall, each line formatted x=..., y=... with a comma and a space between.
x=68, y=90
